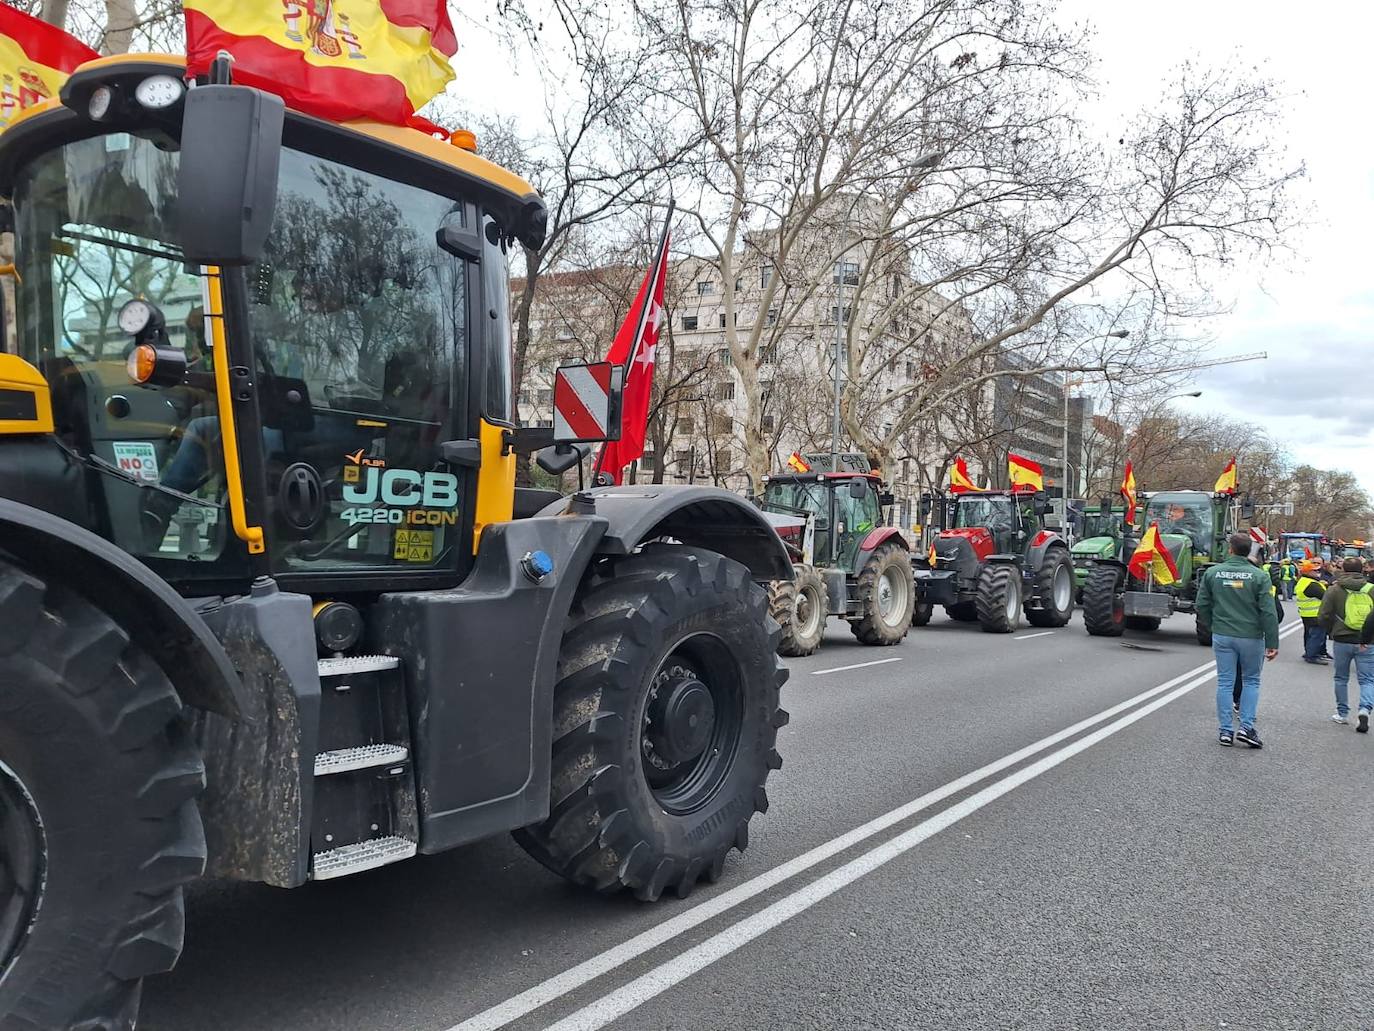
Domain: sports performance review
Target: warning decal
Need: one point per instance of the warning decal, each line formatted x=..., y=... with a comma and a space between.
x=414, y=546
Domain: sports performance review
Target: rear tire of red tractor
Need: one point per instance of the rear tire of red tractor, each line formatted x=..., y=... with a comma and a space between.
x=1104, y=604
x=666, y=714
x=1054, y=590
x=886, y=590
x=963, y=611
x=799, y=607
x=999, y=598
x=98, y=824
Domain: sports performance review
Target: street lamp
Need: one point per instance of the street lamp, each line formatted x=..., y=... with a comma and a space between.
x=1116, y=334
x=1175, y=397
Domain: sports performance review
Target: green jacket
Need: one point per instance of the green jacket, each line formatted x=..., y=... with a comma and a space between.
x=1234, y=599
x=1331, y=618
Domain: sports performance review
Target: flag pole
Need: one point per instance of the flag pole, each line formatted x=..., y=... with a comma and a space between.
x=633, y=351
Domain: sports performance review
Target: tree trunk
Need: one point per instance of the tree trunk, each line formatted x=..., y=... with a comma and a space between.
x=120, y=18
x=54, y=12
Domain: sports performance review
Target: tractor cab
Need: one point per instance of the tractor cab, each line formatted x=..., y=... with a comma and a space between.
x=844, y=508
x=1010, y=518
x=1193, y=516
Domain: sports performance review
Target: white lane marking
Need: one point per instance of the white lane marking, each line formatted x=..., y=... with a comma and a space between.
x=575, y=977
x=857, y=665
x=645, y=987
x=1027, y=637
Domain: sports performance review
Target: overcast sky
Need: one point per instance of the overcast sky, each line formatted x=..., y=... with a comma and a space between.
x=1313, y=311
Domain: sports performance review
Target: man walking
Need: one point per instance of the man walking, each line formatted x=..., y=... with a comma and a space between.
x=1345, y=614
x=1288, y=574
x=1309, y=592
x=1235, y=599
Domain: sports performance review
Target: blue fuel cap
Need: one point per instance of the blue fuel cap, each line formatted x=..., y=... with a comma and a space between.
x=536, y=565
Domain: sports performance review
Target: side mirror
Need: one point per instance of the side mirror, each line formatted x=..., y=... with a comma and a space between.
x=858, y=488
x=586, y=403
x=560, y=458
x=1247, y=510
x=227, y=180
x=1041, y=505
x=887, y=499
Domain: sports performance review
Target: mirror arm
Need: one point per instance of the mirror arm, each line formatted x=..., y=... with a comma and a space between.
x=526, y=440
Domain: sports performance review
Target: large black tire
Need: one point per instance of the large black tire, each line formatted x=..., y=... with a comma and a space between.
x=886, y=591
x=1104, y=604
x=963, y=611
x=1054, y=588
x=921, y=613
x=799, y=607
x=100, y=780
x=999, y=598
x=1148, y=624
x=643, y=630
x=1203, y=632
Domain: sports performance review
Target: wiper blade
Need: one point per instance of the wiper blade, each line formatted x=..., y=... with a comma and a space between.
x=101, y=465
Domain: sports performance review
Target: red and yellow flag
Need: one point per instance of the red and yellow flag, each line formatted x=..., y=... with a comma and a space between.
x=35, y=60
x=933, y=557
x=1226, y=482
x=1153, y=554
x=960, y=482
x=797, y=463
x=376, y=59
x=1024, y=473
x=1128, y=493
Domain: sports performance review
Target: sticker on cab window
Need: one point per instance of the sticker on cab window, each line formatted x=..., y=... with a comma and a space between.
x=414, y=546
x=137, y=458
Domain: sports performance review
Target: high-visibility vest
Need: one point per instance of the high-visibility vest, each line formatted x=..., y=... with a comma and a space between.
x=1289, y=571
x=1307, y=607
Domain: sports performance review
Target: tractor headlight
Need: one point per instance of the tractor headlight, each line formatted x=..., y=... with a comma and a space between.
x=158, y=91
x=135, y=316
x=99, y=104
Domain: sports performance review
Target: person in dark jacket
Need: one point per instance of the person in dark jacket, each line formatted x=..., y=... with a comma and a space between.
x=1347, y=614
x=1309, y=593
x=1237, y=601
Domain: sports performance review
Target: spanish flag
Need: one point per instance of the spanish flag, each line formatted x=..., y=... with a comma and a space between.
x=1226, y=482
x=1153, y=554
x=35, y=60
x=374, y=59
x=1128, y=493
x=797, y=463
x=1024, y=473
x=960, y=482
x=933, y=556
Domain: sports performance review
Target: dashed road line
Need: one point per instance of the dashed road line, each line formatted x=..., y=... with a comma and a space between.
x=857, y=665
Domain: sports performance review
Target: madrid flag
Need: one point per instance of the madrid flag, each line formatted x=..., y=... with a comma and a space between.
x=1153, y=554
x=35, y=60
x=1024, y=473
x=639, y=377
x=959, y=480
x=376, y=59
x=1128, y=493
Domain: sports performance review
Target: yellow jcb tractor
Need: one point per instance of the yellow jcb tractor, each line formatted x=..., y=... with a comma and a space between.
x=271, y=606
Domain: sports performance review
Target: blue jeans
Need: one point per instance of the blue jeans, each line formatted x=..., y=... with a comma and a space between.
x=1313, y=640
x=1248, y=652
x=1345, y=654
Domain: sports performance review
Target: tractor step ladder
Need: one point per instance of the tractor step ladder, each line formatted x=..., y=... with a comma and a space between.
x=364, y=813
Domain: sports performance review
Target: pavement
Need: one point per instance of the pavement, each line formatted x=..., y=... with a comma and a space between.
x=969, y=831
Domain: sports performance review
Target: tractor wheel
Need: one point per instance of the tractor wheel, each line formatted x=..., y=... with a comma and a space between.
x=1204, y=633
x=98, y=824
x=798, y=606
x=1148, y=624
x=1104, y=603
x=664, y=724
x=999, y=598
x=1054, y=589
x=963, y=611
x=886, y=589
x=921, y=613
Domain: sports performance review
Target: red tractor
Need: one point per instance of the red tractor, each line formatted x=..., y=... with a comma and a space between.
x=993, y=560
x=846, y=562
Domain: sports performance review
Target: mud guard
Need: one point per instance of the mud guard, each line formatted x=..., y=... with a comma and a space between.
x=158, y=619
x=876, y=538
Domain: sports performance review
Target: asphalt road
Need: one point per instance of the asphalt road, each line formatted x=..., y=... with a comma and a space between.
x=1041, y=833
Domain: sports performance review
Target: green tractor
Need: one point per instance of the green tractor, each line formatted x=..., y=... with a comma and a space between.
x=1193, y=525
x=1099, y=539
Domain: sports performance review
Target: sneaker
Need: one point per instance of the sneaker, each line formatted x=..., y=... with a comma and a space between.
x=1362, y=727
x=1338, y=718
x=1226, y=739
x=1249, y=737
x=1315, y=662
